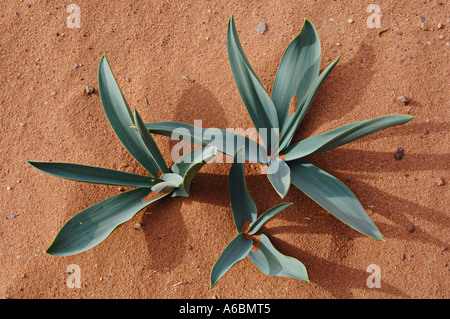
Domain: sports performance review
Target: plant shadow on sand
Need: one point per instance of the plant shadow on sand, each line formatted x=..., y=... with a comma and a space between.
x=212, y=189
x=167, y=249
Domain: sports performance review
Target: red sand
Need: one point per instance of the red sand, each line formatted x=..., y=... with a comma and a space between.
x=151, y=45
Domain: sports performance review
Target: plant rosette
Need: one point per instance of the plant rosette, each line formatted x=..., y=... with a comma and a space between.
x=91, y=226
x=298, y=75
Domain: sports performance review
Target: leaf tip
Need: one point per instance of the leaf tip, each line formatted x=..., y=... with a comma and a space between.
x=231, y=21
x=103, y=58
x=282, y=195
x=307, y=21
x=376, y=234
x=212, y=283
x=50, y=251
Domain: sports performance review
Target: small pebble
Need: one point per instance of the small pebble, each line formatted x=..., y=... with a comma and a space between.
x=89, y=90
x=424, y=27
x=403, y=256
x=53, y=93
x=411, y=228
x=261, y=27
x=399, y=32
x=440, y=26
x=76, y=65
x=403, y=99
x=187, y=79
x=350, y=20
x=440, y=182
x=331, y=19
x=399, y=153
x=11, y=216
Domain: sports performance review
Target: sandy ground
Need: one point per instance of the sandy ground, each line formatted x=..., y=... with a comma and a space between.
x=168, y=250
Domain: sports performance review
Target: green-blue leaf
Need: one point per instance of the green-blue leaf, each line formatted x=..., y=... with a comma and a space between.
x=266, y=216
x=156, y=160
x=273, y=263
x=120, y=117
x=189, y=165
x=291, y=127
x=91, y=226
x=298, y=69
x=170, y=182
x=255, y=97
x=236, y=250
x=91, y=174
x=342, y=135
x=279, y=176
x=333, y=195
x=242, y=204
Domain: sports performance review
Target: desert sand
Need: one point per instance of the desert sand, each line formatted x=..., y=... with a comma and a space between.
x=168, y=250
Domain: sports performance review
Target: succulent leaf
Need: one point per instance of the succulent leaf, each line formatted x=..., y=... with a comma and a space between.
x=242, y=204
x=156, y=159
x=342, y=135
x=91, y=226
x=266, y=216
x=303, y=106
x=92, y=174
x=164, y=187
x=299, y=67
x=333, y=195
x=170, y=182
x=279, y=176
x=120, y=117
x=189, y=165
x=273, y=263
x=236, y=250
x=255, y=97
